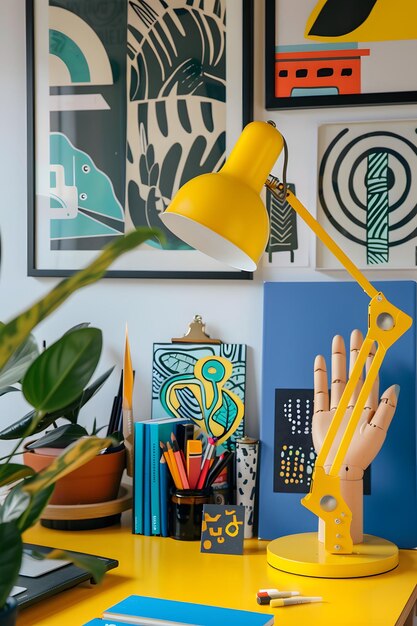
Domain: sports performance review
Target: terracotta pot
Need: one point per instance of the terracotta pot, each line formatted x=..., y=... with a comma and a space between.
x=96, y=481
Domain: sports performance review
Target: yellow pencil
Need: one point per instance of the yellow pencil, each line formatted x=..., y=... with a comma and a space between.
x=166, y=456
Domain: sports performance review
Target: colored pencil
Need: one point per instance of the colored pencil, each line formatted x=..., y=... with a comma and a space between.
x=167, y=459
x=206, y=466
x=174, y=469
x=219, y=466
x=179, y=462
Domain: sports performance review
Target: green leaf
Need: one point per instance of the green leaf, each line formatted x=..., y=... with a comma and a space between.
x=226, y=414
x=117, y=437
x=15, y=504
x=74, y=456
x=19, y=362
x=18, y=429
x=92, y=564
x=10, y=558
x=16, y=331
x=37, y=504
x=59, y=374
x=70, y=412
x=77, y=327
x=60, y=437
x=10, y=472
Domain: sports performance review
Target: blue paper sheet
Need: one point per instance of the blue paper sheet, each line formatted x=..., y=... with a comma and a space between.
x=300, y=320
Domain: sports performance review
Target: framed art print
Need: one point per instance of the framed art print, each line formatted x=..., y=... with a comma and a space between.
x=128, y=100
x=326, y=53
x=367, y=193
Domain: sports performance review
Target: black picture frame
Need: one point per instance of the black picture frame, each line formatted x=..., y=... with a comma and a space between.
x=33, y=266
x=273, y=102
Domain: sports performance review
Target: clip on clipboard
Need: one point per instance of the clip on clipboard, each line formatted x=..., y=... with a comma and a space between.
x=196, y=333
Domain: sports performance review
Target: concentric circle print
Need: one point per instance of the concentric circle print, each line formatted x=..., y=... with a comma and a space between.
x=367, y=190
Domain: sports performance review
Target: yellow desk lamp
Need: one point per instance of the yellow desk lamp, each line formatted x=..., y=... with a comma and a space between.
x=222, y=215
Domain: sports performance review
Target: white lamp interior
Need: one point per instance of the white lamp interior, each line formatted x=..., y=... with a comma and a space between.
x=207, y=241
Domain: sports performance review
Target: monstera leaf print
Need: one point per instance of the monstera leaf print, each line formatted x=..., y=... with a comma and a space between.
x=176, y=109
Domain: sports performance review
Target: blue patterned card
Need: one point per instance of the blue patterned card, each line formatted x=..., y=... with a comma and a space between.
x=201, y=382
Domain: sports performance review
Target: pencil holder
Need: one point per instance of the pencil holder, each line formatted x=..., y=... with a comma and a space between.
x=186, y=513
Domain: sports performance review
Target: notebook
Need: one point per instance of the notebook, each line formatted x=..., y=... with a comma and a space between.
x=158, y=612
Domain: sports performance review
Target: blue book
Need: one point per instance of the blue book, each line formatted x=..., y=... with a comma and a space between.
x=138, y=476
x=158, y=612
x=159, y=430
x=147, y=483
x=147, y=488
x=163, y=496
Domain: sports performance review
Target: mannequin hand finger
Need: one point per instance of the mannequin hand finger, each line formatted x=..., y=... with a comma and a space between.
x=356, y=341
x=386, y=409
x=371, y=404
x=338, y=370
x=321, y=390
x=368, y=444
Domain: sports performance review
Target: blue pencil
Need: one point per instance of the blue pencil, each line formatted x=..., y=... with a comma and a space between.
x=163, y=494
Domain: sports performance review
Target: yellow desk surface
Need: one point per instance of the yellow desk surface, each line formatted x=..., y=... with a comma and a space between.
x=167, y=568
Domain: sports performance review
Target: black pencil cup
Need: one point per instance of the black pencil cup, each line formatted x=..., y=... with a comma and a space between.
x=186, y=513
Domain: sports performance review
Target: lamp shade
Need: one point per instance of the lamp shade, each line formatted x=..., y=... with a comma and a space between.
x=222, y=214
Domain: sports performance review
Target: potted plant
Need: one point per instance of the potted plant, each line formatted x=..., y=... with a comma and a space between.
x=99, y=479
x=72, y=360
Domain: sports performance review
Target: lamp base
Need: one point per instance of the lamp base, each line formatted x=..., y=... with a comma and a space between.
x=303, y=554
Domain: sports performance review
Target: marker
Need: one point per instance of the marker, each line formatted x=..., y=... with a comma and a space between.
x=264, y=596
x=288, y=601
x=206, y=463
x=194, y=450
x=208, y=452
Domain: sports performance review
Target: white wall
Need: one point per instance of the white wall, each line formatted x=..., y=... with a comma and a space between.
x=155, y=310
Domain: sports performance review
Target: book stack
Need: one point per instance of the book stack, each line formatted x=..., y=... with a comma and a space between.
x=158, y=612
x=150, y=481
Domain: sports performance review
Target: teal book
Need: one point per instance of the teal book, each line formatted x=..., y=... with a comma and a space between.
x=147, y=483
x=158, y=612
x=158, y=430
x=138, y=477
x=163, y=496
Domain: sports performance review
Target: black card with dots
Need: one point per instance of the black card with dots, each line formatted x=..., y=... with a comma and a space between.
x=294, y=454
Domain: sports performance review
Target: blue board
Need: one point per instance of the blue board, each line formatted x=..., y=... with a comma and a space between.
x=300, y=320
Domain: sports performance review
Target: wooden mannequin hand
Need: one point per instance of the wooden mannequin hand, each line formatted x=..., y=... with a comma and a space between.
x=375, y=419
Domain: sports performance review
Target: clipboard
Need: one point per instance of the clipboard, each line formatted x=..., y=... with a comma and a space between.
x=174, y=364
x=196, y=333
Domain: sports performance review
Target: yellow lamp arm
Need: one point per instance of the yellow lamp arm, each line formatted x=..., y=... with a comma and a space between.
x=342, y=407
x=273, y=184
x=386, y=324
